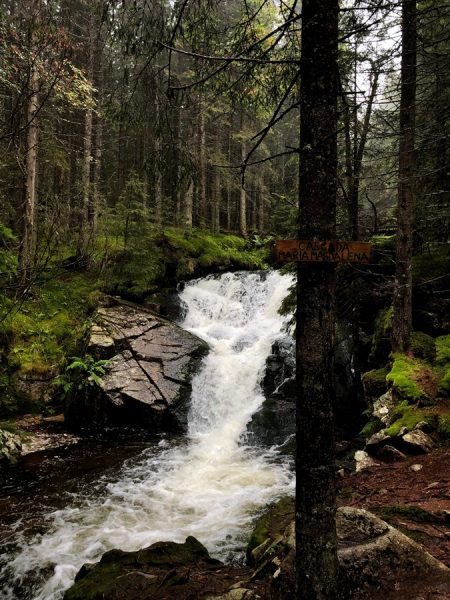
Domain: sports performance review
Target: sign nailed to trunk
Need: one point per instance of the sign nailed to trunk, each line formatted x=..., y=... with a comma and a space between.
x=338, y=251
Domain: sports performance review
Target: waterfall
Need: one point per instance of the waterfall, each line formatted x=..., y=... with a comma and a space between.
x=211, y=484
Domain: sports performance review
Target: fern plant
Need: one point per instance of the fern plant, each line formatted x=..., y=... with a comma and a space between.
x=80, y=374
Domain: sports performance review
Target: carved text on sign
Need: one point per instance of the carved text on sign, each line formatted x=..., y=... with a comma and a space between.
x=323, y=251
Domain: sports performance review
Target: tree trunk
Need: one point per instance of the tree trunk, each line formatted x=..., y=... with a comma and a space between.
x=85, y=232
x=202, y=170
x=316, y=564
x=402, y=317
x=28, y=249
x=188, y=205
x=242, y=192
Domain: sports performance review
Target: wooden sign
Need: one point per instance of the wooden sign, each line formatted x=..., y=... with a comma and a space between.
x=338, y=251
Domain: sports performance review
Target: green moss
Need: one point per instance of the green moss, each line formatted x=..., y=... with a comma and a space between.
x=49, y=326
x=375, y=382
x=272, y=523
x=371, y=428
x=442, y=349
x=97, y=585
x=217, y=249
x=423, y=346
x=443, y=427
x=404, y=377
x=405, y=415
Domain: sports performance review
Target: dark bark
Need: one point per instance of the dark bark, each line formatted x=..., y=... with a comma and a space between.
x=402, y=317
x=316, y=563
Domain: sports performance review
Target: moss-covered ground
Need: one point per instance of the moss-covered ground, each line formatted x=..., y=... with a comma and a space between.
x=39, y=332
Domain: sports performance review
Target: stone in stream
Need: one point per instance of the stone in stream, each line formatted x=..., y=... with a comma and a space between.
x=161, y=571
x=147, y=381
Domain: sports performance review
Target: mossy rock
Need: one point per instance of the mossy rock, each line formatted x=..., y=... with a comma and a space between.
x=371, y=427
x=374, y=383
x=271, y=524
x=422, y=346
x=405, y=415
x=412, y=379
x=162, y=570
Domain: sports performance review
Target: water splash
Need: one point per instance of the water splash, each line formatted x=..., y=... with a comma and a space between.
x=211, y=484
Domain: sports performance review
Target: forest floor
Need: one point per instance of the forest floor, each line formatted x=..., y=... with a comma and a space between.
x=414, y=499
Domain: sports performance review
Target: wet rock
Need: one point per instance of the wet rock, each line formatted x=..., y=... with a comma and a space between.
x=280, y=365
x=147, y=381
x=417, y=442
x=165, y=570
x=10, y=448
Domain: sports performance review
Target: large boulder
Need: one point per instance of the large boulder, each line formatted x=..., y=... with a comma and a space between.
x=162, y=571
x=375, y=560
x=147, y=380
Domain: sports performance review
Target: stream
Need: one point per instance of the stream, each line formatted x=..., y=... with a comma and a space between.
x=209, y=484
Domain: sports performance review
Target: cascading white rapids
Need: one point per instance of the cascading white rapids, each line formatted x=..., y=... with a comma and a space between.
x=209, y=487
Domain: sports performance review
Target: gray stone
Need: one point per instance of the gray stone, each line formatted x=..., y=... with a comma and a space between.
x=147, y=381
x=10, y=447
x=363, y=460
x=382, y=408
x=417, y=442
x=376, y=441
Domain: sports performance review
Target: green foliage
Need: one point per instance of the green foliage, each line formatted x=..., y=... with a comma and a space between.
x=443, y=427
x=423, y=346
x=214, y=250
x=49, y=325
x=442, y=349
x=8, y=254
x=404, y=377
x=80, y=374
x=443, y=364
x=431, y=264
x=405, y=415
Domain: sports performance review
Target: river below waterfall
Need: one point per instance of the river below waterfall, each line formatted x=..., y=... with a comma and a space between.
x=210, y=484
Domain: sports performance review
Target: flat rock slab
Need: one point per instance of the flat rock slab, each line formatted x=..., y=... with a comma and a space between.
x=147, y=380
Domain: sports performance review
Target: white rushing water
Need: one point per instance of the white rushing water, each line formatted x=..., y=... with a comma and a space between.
x=210, y=486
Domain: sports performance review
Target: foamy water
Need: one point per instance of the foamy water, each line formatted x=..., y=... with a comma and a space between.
x=209, y=486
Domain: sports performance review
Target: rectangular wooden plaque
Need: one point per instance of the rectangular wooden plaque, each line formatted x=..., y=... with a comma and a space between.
x=338, y=251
